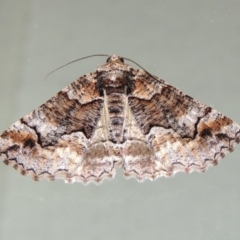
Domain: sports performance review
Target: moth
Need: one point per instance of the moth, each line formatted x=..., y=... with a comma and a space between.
x=118, y=116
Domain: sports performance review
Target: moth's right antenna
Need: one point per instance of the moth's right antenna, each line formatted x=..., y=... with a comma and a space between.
x=141, y=68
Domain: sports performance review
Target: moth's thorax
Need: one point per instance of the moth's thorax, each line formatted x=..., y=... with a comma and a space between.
x=113, y=81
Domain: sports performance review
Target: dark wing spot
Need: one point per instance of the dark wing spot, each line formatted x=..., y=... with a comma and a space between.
x=13, y=148
x=29, y=143
x=222, y=136
x=206, y=133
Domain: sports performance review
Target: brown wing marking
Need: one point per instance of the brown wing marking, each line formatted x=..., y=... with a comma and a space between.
x=51, y=141
x=184, y=134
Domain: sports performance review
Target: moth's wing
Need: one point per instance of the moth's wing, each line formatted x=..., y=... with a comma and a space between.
x=181, y=134
x=52, y=141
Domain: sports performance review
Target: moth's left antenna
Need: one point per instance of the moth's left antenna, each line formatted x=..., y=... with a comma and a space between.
x=95, y=55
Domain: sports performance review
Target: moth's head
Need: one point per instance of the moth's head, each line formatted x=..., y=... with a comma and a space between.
x=115, y=59
x=114, y=63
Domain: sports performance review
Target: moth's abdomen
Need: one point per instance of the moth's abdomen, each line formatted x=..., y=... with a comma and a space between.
x=116, y=110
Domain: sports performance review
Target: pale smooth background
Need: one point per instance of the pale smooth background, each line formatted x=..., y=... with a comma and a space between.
x=194, y=45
